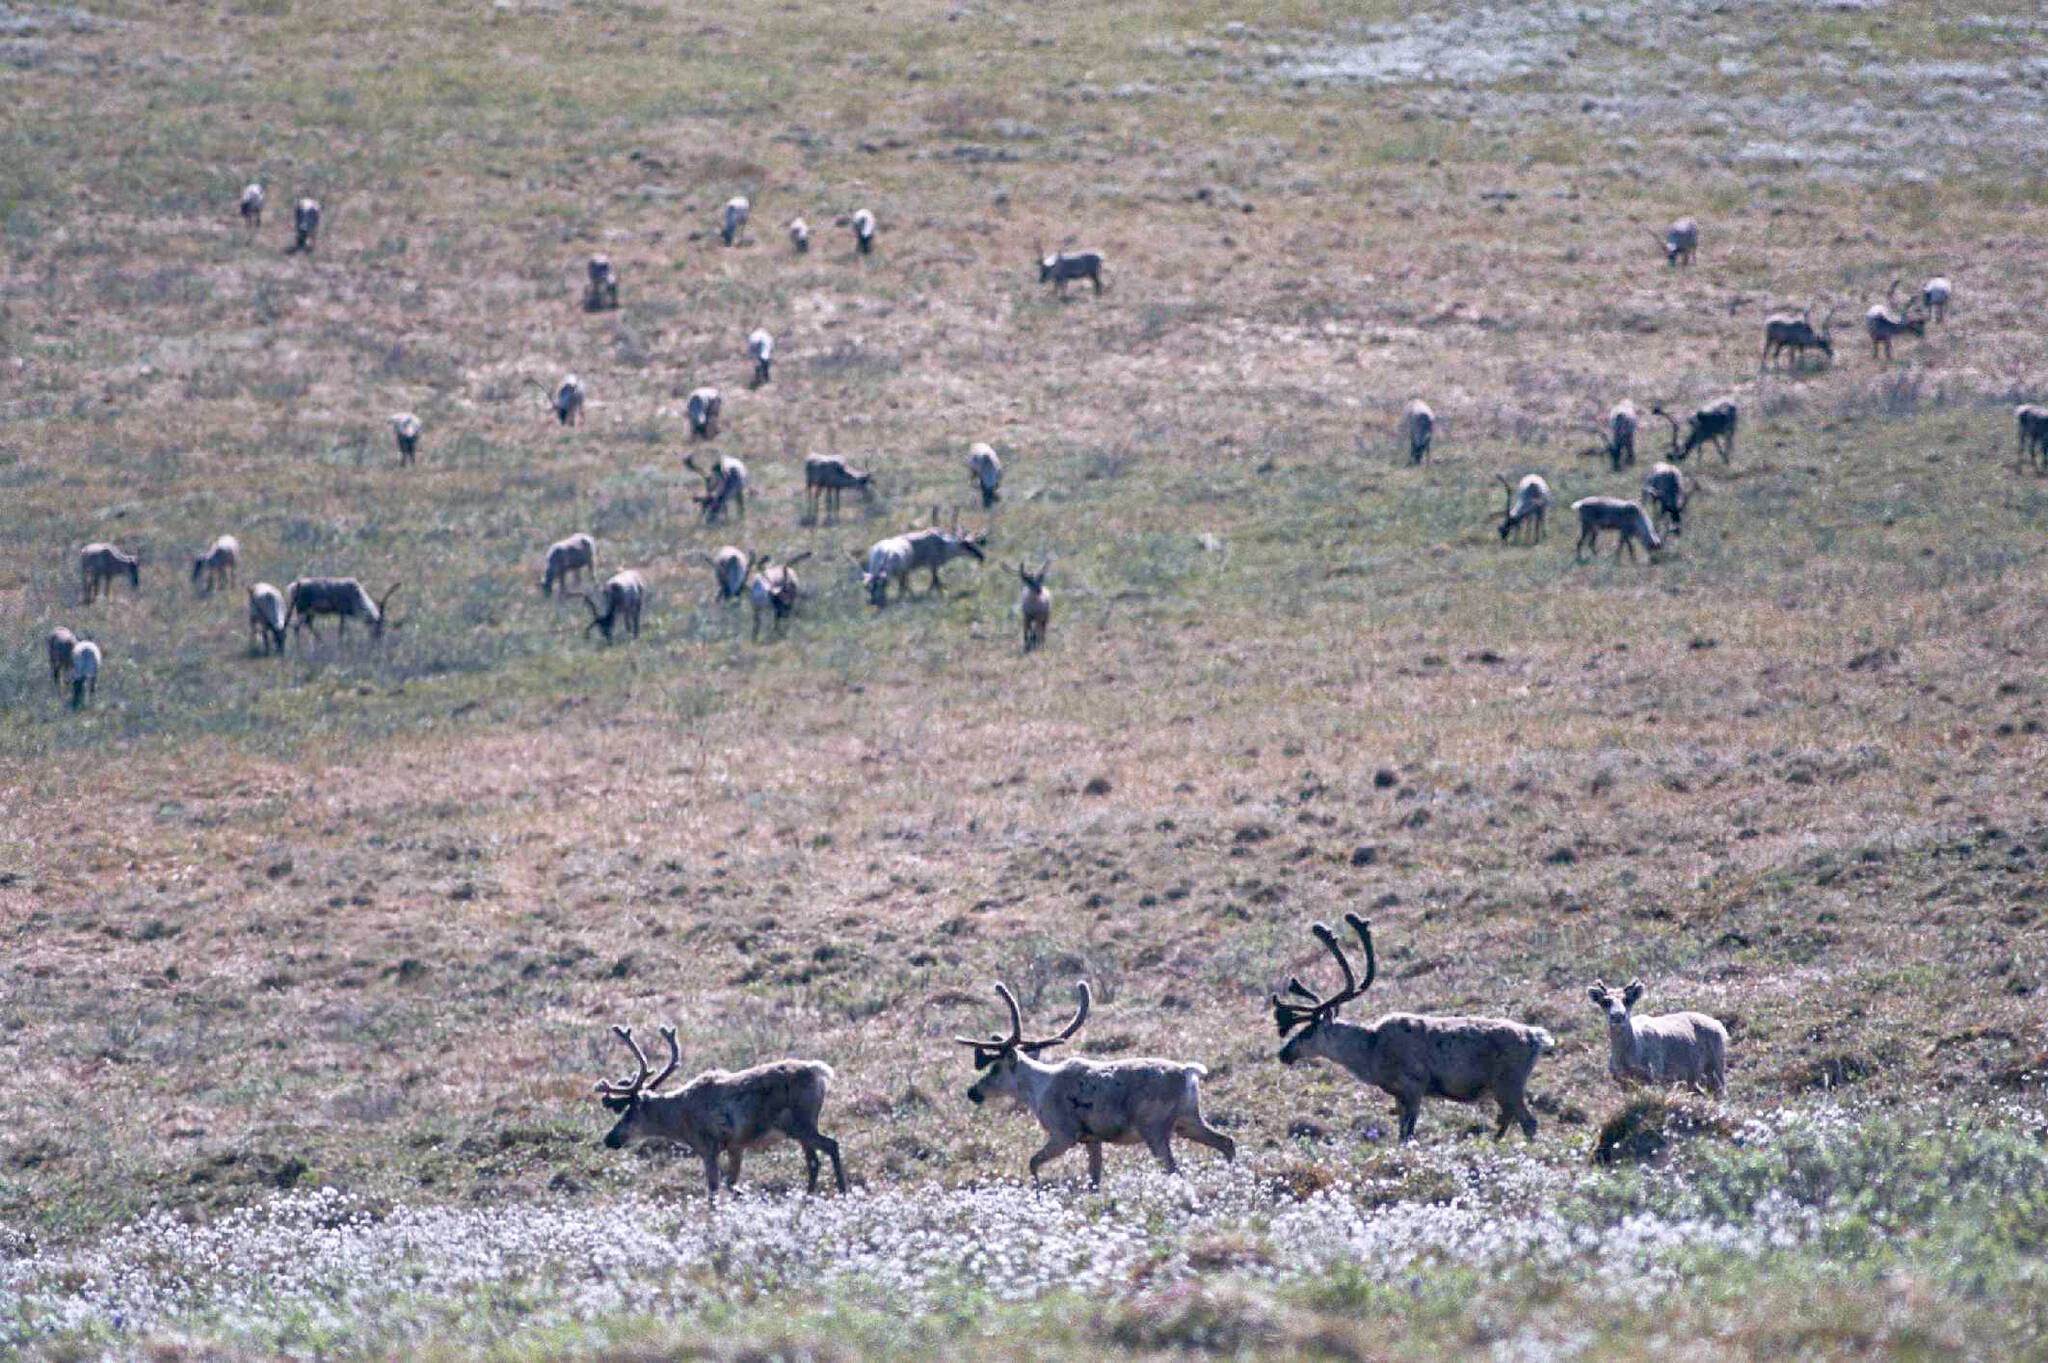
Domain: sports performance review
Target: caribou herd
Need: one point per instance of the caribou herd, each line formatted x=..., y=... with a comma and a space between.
x=1648, y=522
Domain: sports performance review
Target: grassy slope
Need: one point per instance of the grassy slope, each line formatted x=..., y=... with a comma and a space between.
x=351, y=916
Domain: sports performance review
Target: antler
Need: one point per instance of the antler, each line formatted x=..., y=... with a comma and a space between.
x=626, y=1088
x=1288, y=1016
x=996, y=1041
x=1015, y=1040
x=391, y=592
x=1080, y=1016
x=1659, y=411
x=675, y=1057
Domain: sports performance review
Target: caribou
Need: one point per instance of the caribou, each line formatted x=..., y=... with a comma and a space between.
x=1410, y=1056
x=1091, y=1103
x=723, y=1113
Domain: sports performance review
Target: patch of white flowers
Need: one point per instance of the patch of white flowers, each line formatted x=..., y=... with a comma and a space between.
x=300, y=1265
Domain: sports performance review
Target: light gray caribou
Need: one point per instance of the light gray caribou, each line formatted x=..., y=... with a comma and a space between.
x=625, y=596
x=85, y=672
x=601, y=291
x=406, y=429
x=1627, y=519
x=2032, y=423
x=1063, y=267
x=725, y=481
x=1883, y=324
x=774, y=588
x=267, y=617
x=1935, y=295
x=1092, y=1102
x=1035, y=605
x=100, y=563
x=1418, y=423
x=1667, y=495
x=252, y=207
x=217, y=564
x=734, y=219
x=341, y=597
x=985, y=471
x=305, y=224
x=1676, y=1048
x=730, y=567
x=1408, y=1055
x=935, y=548
x=826, y=477
x=722, y=1112
x=1794, y=331
x=1528, y=500
x=1620, y=436
x=62, y=644
x=566, y=558
x=705, y=407
x=799, y=235
x=887, y=561
x=761, y=346
x=1716, y=422
x=864, y=232
x=1681, y=242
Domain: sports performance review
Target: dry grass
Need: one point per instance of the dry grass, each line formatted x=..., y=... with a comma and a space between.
x=360, y=917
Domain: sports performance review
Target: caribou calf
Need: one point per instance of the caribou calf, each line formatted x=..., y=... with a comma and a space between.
x=721, y=1112
x=62, y=645
x=1677, y=1048
x=1092, y=1102
x=1035, y=605
x=1410, y=1056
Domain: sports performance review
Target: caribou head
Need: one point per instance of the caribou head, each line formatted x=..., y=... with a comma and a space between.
x=1000, y=1058
x=1318, y=1010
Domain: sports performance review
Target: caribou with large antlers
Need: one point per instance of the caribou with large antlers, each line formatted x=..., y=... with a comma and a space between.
x=723, y=1113
x=1408, y=1055
x=1091, y=1102
x=1794, y=331
x=1715, y=422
